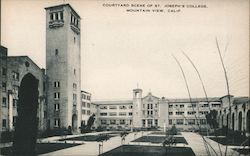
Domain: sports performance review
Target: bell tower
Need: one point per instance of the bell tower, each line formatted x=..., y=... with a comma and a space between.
x=137, y=108
x=63, y=66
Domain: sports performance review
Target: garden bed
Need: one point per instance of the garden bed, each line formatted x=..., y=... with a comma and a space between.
x=230, y=141
x=42, y=148
x=87, y=138
x=159, y=139
x=134, y=150
x=243, y=151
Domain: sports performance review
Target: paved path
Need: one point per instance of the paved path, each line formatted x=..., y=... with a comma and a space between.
x=92, y=148
x=196, y=142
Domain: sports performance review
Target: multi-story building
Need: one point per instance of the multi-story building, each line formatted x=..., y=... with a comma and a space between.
x=234, y=113
x=151, y=111
x=86, y=106
x=114, y=114
x=13, y=71
x=63, y=66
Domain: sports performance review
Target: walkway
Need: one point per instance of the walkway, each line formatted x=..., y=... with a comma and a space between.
x=92, y=148
x=195, y=141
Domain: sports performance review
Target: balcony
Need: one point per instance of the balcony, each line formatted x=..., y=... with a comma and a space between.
x=56, y=23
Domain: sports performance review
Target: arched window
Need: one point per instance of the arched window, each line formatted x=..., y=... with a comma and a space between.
x=233, y=121
x=240, y=122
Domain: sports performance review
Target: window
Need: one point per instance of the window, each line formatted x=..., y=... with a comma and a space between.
x=112, y=114
x=51, y=16
x=61, y=15
x=56, y=15
x=56, y=84
x=57, y=123
x=88, y=112
x=74, y=71
x=103, y=114
x=74, y=40
x=4, y=123
x=57, y=107
x=15, y=75
x=88, y=97
x=170, y=106
x=56, y=52
x=4, y=86
x=179, y=113
x=14, y=120
x=83, y=104
x=170, y=121
x=179, y=121
x=191, y=113
x=130, y=113
x=103, y=121
x=123, y=107
x=74, y=97
x=131, y=107
x=4, y=102
x=56, y=95
x=181, y=106
x=122, y=114
x=191, y=121
x=122, y=122
x=84, y=112
x=14, y=102
x=203, y=121
x=170, y=113
x=103, y=107
x=74, y=86
x=88, y=105
x=4, y=71
x=112, y=107
x=156, y=122
x=112, y=122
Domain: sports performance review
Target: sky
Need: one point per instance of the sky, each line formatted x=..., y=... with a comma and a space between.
x=124, y=50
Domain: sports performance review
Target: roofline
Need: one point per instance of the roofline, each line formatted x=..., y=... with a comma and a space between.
x=54, y=6
x=9, y=57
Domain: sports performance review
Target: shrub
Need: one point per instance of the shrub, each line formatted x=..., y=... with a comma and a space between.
x=7, y=136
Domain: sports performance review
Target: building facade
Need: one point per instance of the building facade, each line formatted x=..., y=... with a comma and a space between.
x=63, y=66
x=235, y=114
x=86, y=107
x=13, y=71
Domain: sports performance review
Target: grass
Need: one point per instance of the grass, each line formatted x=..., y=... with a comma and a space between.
x=42, y=148
x=243, y=151
x=85, y=138
x=164, y=133
x=230, y=141
x=132, y=150
x=159, y=139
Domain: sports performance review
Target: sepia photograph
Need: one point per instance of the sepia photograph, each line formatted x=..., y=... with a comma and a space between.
x=124, y=78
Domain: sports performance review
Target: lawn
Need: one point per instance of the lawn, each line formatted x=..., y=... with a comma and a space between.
x=163, y=133
x=243, y=151
x=159, y=139
x=42, y=148
x=230, y=141
x=132, y=150
x=86, y=138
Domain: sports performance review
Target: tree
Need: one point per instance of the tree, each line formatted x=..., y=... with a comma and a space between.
x=91, y=121
x=212, y=119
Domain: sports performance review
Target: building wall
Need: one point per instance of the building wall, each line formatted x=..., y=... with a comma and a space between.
x=18, y=67
x=114, y=114
x=86, y=107
x=63, y=65
x=3, y=87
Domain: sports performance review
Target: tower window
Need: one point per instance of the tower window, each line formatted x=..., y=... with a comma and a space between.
x=4, y=102
x=74, y=39
x=57, y=123
x=72, y=18
x=4, y=71
x=4, y=123
x=56, y=16
x=61, y=15
x=57, y=107
x=51, y=16
x=74, y=71
x=56, y=52
x=56, y=84
x=56, y=95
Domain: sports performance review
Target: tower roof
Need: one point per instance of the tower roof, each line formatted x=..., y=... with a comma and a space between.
x=62, y=5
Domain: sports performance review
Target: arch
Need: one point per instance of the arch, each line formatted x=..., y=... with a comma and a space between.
x=27, y=122
x=240, y=121
x=74, y=122
x=248, y=121
x=233, y=121
x=227, y=121
x=222, y=118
